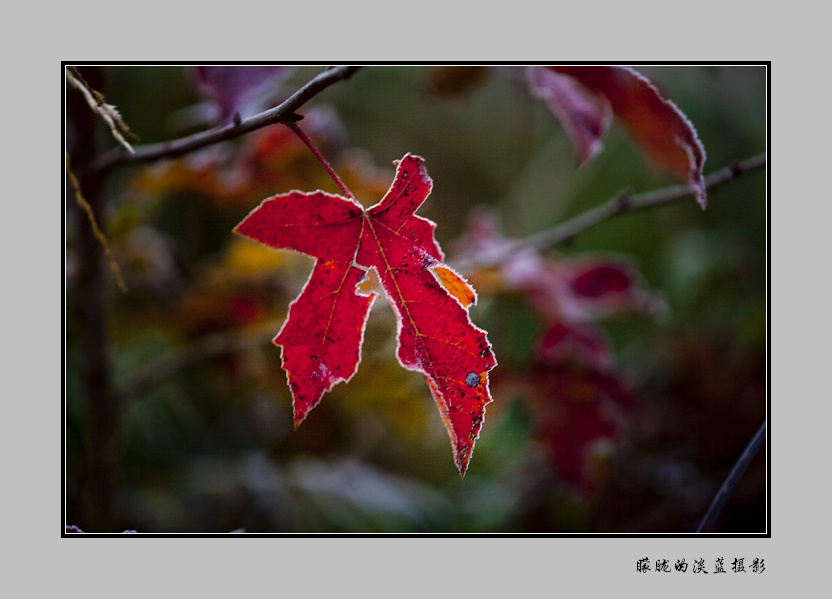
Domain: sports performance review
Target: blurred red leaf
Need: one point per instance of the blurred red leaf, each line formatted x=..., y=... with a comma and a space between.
x=582, y=97
x=579, y=414
x=579, y=399
x=585, y=115
x=573, y=290
x=321, y=338
x=578, y=344
x=602, y=279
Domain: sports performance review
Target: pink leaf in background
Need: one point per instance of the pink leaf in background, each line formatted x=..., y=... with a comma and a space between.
x=581, y=97
x=585, y=115
x=241, y=89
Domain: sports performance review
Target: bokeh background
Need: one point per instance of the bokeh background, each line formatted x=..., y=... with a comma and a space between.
x=177, y=413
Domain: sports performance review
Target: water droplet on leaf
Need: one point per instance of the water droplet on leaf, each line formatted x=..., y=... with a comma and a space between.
x=472, y=379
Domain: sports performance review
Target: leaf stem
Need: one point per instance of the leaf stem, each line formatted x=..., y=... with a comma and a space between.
x=305, y=139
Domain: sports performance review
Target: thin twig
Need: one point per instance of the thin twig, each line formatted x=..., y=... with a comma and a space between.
x=285, y=112
x=732, y=480
x=619, y=204
x=99, y=234
x=303, y=137
x=107, y=112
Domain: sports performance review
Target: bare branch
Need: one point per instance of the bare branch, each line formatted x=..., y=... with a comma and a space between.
x=732, y=480
x=285, y=112
x=95, y=100
x=620, y=204
x=96, y=230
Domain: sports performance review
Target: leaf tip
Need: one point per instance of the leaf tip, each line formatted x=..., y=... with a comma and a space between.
x=700, y=190
x=300, y=410
x=297, y=420
x=701, y=197
x=462, y=458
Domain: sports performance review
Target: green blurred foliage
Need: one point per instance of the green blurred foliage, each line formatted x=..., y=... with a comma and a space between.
x=208, y=444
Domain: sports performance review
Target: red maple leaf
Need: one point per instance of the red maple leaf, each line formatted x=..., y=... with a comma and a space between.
x=321, y=338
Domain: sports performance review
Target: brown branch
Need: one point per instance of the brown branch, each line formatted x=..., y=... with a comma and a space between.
x=283, y=113
x=87, y=301
x=96, y=230
x=620, y=204
x=97, y=103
